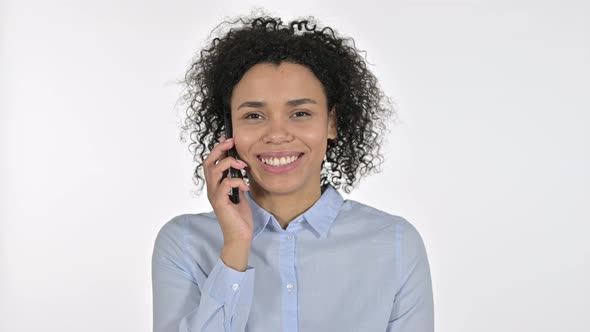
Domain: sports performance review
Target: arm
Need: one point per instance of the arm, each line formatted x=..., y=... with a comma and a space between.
x=413, y=309
x=221, y=303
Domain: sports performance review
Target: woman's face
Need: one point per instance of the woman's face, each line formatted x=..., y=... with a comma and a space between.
x=281, y=109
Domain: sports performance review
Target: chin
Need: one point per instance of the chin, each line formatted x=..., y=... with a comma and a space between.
x=277, y=186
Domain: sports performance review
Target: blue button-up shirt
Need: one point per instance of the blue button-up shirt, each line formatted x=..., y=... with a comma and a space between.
x=339, y=266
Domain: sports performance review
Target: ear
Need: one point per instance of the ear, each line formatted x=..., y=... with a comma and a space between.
x=332, y=132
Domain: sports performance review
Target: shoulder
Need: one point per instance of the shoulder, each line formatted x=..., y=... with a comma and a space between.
x=403, y=231
x=370, y=214
x=175, y=230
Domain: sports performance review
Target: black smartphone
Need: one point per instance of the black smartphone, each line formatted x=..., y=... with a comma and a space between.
x=233, y=173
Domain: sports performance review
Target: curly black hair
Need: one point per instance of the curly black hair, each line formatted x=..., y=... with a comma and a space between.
x=362, y=109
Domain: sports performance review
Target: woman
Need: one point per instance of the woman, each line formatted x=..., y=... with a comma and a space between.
x=292, y=255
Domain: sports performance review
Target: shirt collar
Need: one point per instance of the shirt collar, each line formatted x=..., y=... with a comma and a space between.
x=320, y=216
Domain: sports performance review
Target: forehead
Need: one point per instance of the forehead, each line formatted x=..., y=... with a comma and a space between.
x=268, y=82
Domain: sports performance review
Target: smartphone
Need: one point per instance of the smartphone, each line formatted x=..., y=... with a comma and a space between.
x=233, y=173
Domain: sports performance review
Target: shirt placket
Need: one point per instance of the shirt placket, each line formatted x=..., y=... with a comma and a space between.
x=290, y=299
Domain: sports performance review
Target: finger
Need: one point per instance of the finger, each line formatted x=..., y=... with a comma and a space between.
x=219, y=152
x=225, y=188
x=208, y=163
x=219, y=171
x=225, y=163
x=216, y=164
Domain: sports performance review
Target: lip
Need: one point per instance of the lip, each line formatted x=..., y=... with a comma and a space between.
x=281, y=169
x=279, y=154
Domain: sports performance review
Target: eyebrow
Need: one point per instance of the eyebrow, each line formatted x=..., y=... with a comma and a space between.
x=292, y=103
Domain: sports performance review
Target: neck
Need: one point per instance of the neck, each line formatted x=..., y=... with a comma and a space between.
x=285, y=207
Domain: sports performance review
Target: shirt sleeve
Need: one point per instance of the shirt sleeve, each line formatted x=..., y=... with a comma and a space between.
x=413, y=308
x=221, y=303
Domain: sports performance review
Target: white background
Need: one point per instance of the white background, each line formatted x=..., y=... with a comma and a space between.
x=490, y=161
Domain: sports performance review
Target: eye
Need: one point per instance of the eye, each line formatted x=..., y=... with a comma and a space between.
x=247, y=116
x=302, y=112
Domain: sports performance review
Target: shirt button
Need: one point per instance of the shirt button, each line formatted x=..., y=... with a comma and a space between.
x=289, y=237
x=235, y=287
x=289, y=287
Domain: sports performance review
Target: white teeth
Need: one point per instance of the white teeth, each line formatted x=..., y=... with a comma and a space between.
x=279, y=161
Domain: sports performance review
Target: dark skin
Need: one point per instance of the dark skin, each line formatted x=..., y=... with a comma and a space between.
x=275, y=125
x=271, y=124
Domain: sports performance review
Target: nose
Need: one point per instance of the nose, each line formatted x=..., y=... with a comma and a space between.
x=277, y=132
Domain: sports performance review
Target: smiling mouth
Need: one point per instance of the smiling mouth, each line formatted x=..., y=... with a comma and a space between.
x=278, y=162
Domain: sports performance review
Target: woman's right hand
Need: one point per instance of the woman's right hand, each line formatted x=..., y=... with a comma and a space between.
x=236, y=220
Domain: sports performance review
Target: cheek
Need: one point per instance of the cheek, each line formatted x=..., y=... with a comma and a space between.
x=316, y=138
x=240, y=149
x=243, y=145
x=244, y=136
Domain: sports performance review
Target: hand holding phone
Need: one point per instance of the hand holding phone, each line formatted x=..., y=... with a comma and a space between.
x=235, y=219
